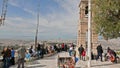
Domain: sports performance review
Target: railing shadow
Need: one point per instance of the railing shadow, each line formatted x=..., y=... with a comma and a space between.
x=36, y=66
x=104, y=64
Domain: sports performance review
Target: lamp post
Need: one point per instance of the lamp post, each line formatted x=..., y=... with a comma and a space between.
x=89, y=33
x=36, y=36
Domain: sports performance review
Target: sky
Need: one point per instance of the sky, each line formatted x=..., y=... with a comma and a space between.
x=58, y=19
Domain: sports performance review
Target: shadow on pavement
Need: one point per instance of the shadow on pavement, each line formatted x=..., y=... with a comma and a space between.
x=103, y=65
x=77, y=67
x=36, y=66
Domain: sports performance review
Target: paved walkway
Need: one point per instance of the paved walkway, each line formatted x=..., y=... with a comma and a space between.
x=97, y=64
x=51, y=62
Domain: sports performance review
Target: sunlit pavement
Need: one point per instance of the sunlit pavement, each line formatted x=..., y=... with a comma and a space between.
x=97, y=64
x=51, y=62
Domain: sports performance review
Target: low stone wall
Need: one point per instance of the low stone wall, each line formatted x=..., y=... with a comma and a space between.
x=1, y=63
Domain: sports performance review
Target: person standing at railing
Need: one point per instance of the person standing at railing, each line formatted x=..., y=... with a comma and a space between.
x=30, y=50
x=12, y=56
x=21, y=56
x=39, y=50
x=6, y=57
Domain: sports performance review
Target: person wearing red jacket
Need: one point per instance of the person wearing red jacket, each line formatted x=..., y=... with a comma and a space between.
x=83, y=54
x=63, y=47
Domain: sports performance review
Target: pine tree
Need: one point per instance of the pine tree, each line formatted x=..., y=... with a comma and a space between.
x=107, y=18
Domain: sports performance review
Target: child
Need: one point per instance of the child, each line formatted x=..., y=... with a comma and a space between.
x=83, y=55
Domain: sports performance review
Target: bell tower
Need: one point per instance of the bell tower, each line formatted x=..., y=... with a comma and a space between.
x=83, y=27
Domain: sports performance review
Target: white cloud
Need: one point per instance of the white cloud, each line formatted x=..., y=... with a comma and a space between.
x=54, y=24
x=23, y=4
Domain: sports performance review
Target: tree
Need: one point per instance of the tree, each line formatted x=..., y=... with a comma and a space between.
x=107, y=18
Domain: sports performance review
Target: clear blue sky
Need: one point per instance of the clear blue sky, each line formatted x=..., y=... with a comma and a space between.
x=58, y=19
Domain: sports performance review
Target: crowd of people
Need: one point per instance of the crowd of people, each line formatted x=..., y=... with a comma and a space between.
x=82, y=53
x=110, y=55
x=26, y=54
x=41, y=50
x=8, y=57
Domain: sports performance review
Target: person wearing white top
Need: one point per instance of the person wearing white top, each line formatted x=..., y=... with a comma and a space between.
x=70, y=50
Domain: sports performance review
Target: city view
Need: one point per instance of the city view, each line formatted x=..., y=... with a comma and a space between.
x=59, y=33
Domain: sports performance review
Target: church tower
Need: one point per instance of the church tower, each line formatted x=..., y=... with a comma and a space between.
x=83, y=27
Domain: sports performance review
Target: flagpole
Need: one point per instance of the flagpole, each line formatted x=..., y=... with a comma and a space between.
x=89, y=33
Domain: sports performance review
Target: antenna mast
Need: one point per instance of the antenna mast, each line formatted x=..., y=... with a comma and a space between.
x=4, y=10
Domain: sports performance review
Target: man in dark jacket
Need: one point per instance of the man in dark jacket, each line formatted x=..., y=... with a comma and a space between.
x=99, y=52
x=39, y=50
x=80, y=49
x=6, y=57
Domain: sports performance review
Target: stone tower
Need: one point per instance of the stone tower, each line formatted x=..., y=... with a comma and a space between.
x=83, y=26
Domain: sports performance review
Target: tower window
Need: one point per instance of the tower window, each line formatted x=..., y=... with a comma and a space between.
x=86, y=11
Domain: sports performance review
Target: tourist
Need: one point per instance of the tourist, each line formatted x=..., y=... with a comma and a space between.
x=99, y=52
x=73, y=53
x=66, y=47
x=70, y=50
x=83, y=54
x=55, y=47
x=32, y=51
x=92, y=56
x=80, y=50
x=6, y=57
x=112, y=54
x=75, y=59
x=39, y=50
x=21, y=56
x=5, y=60
x=46, y=50
x=27, y=56
x=12, y=56
x=63, y=46
x=58, y=46
x=52, y=47
x=42, y=51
